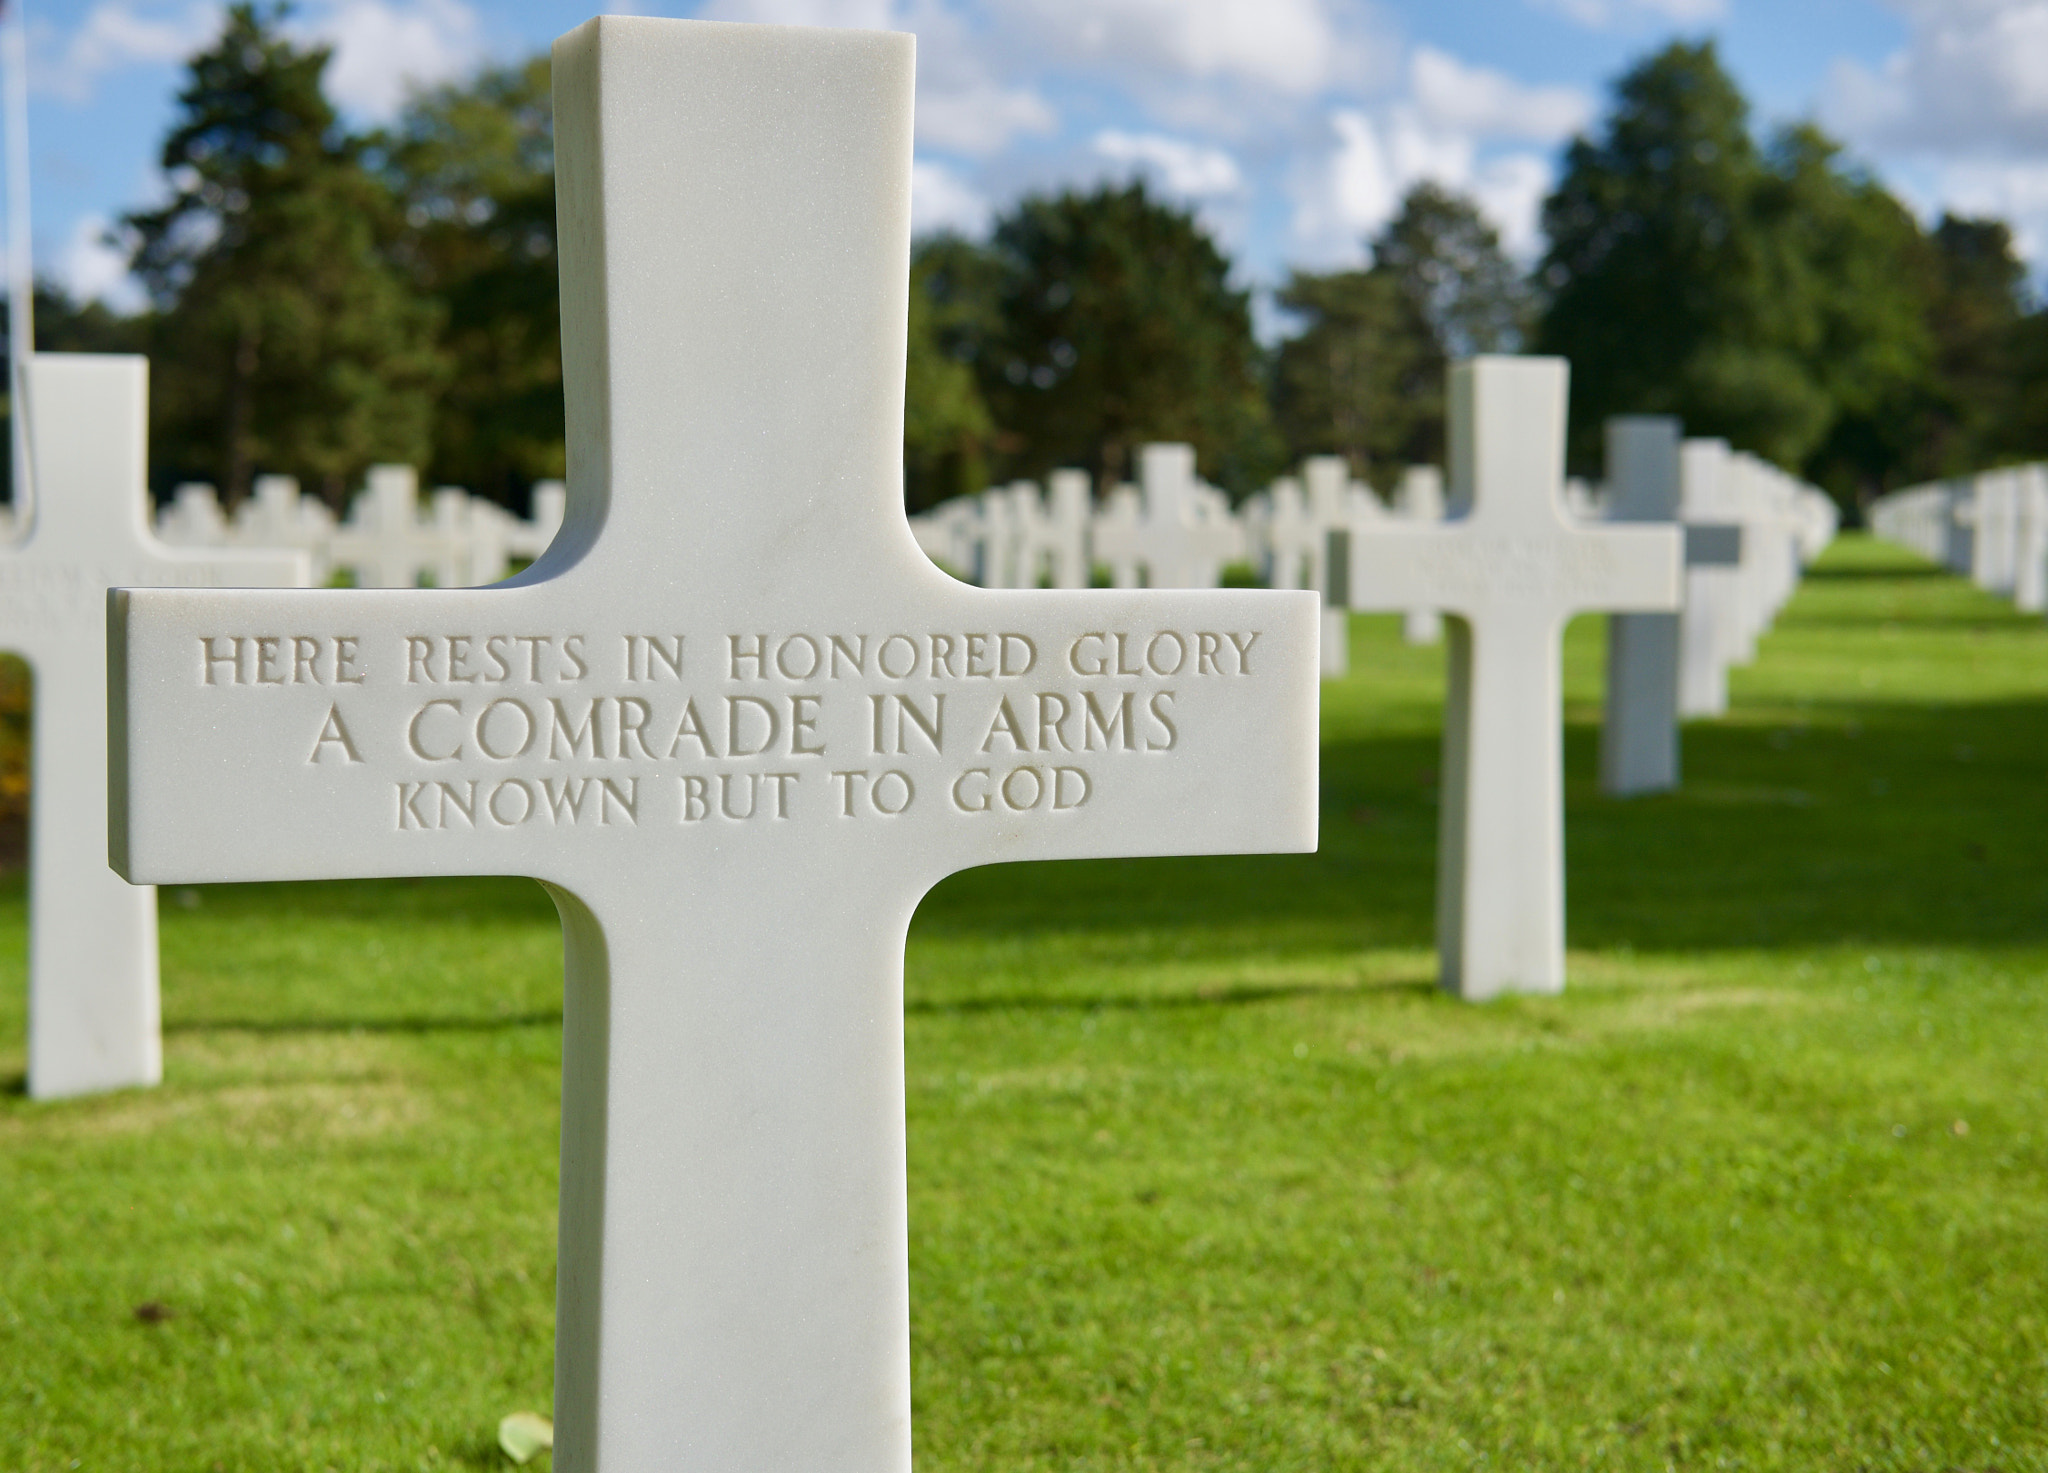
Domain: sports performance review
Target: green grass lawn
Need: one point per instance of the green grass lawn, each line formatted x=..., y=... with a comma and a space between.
x=1204, y=1172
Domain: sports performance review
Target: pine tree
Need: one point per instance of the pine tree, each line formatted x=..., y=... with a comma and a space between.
x=471, y=167
x=286, y=339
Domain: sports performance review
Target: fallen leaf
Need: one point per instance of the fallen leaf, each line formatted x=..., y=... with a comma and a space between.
x=526, y=1435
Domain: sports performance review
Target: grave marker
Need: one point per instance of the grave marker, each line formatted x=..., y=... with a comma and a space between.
x=1639, y=737
x=738, y=724
x=1509, y=570
x=1709, y=632
x=1185, y=533
x=1420, y=499
x=92, y=963
x=2030, y=540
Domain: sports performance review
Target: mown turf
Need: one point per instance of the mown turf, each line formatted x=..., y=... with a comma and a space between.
x=1204, y=1172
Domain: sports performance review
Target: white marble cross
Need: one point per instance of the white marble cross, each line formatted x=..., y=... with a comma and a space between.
x=1420, y=499
x=1510, y=570
x=386, y=543
x=1061, y=536
x=92, y=963
x=738, y=724
x=2030, y=539
x=1287, y=539
x=1186, y=534
x=193, y=519
x=275, y=514
x=1639, y=726
x=1639, y=732
x=1710, y=624
x=1291, y=527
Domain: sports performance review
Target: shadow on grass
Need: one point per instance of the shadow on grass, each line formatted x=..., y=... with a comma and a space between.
x=1204, y=997
x=1874, y=573
x=542, y=1018
x=1872, y=823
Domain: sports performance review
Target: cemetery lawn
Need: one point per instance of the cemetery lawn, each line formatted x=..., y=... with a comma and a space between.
x=1204, y=1172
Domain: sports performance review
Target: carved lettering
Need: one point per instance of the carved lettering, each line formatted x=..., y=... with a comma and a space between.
x=278, y=659
x=494, y=739
x=426, y=745
x=888, y=795
x=334, y=733
x=560, y=729
x=1160, y=701
x=1097, y=722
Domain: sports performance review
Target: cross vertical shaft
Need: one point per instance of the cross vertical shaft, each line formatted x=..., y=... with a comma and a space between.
x=93, y=991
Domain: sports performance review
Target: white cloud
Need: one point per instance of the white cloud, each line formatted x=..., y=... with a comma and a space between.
x=981, y=117
x=1601, y=15
x=1478, y=100
x=1510, y=191
x=941, y=200
x=1347, y=195
x=117, y=34
x=381, y=47
x=2014, y=192
x=1285, y=45
x=962, y=104
x=870, y=15
x=1973, y=74
x=1190, y=170
x=89, y=267
x=385, y=48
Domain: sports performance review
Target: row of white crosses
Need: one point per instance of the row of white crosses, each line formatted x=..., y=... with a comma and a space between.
x=1991, y=528
x=1513, y=564
x=1508, y=568
x=737, y=723
x=1289, y=529
x=1749, y=530
x=386, y=540
x=1172, y=530
x=1734, y=593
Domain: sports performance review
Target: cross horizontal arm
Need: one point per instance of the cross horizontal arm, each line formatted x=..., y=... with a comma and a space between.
x=340, y=733
x=1464, y=570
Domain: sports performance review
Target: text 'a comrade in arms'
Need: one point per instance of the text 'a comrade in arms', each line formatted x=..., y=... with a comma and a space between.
x=1109, y=694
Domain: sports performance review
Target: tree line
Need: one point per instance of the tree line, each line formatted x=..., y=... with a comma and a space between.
x=321, y=299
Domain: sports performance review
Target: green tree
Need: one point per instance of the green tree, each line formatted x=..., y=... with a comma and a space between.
x=471, y=166
x=1364, y=378
x=1660, y=285
x=1773, y=296
x=1119, y=325
x=1447, y=260
x=285, y=337
x=1857, y=291
x=1978, y=324
x=947, y=431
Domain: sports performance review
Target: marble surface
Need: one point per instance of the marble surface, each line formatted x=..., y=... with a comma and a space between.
x=738, y=724
x=92, y=966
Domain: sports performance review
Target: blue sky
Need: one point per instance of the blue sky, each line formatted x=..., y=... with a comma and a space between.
x=1292, y=126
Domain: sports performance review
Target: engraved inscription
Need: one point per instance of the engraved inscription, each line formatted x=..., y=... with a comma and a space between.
x=499, y=731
